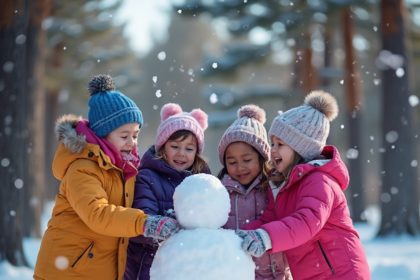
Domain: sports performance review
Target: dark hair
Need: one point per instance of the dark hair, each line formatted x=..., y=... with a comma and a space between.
x=264, y=165
x=199, y=165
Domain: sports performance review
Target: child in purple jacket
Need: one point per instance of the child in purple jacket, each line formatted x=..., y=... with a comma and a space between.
x=175, y=155
x=307, y=216
x=244, y=153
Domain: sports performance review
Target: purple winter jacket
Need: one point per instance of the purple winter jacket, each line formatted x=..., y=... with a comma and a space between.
x=247, y=204
x=153, y=191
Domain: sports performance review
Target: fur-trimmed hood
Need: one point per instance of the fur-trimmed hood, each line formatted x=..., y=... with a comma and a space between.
x=73, y=146
x=65, y=131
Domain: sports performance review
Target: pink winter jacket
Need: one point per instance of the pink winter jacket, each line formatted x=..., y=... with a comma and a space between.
x=247, y=205
x=310, y=222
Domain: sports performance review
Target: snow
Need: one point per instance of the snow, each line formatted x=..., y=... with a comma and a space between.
x=202, y=250
x=204, y=254
x=394, y=258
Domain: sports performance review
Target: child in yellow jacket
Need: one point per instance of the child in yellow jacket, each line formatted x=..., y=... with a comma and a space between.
x=96, y=162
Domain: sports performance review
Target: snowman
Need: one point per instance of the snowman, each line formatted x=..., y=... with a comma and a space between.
x=202, y=249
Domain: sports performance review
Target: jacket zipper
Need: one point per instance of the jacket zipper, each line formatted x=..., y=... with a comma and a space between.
x=236, y=212
x=326, y=258
x=273, y=266
x=83, y=253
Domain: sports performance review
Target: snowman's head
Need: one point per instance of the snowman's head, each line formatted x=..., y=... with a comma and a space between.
x=201, y=201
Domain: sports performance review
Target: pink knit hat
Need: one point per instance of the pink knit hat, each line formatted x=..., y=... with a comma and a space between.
x=174, y=119
x=248, y=128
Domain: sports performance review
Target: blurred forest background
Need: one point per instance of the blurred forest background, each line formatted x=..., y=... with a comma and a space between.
x=218, y=55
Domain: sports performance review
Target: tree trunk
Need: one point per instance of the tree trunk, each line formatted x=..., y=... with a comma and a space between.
x=306, y=75
x=352, y=93
x=14, y=133
x=36, y=46
x=399, y=194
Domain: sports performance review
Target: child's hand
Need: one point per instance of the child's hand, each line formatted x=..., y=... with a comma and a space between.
x=255, y=242
x=160, y=227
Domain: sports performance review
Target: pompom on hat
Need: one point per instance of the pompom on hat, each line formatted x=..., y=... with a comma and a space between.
x=248, y=128
x=305, y=128
x=108, y=108
x=174, y=119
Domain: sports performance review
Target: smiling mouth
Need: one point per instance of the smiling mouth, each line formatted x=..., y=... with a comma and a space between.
x=277, y=161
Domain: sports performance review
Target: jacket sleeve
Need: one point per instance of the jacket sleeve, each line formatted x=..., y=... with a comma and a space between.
x=314, y=204
x=267, y=216
x=145, y=199
x=86, y=195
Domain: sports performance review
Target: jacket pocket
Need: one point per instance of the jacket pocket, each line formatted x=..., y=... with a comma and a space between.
x=81, y=260
x=326, y=257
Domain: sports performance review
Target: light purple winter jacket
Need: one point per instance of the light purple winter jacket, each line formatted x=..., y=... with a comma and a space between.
x=310, y=222
x=247, y=205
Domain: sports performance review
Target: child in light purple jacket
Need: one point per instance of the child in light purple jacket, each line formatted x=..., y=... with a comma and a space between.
x=244, y=152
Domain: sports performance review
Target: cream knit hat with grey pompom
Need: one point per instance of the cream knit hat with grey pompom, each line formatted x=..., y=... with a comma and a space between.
x=305, y=128
x=248, y=128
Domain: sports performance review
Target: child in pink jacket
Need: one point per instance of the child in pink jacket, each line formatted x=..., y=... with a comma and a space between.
x=307, y=216
x=244, y=152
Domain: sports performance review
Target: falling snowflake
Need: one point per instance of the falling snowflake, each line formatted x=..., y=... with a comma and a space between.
x=385, y=197
x=161, y=56
x=413, y=100
x=391, y=136
x=20, y=39
x=61, y=262
x=5, y=162
x=400, y=72
x=352, y=153
x=19, y=183
x=8, y=66
x=213, y=98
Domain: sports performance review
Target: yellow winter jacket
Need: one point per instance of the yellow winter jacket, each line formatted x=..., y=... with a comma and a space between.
x=88, y=232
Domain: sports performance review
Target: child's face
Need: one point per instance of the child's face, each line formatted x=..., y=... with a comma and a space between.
x=242, y=162
x=282, y=155
x=180, y=154
x=124, y=138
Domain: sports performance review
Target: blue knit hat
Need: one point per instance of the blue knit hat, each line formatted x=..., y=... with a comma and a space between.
x=108, y=108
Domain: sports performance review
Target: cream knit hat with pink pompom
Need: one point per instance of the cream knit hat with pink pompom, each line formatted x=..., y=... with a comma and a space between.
x=174, y=119
x=305, y=128
x=248, y=128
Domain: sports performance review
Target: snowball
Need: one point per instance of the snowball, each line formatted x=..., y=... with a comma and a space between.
x=201, y=201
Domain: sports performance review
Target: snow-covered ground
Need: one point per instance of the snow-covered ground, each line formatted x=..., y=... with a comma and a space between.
x=396, y=258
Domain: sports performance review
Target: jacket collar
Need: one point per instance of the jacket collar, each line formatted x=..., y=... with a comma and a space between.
x=73, y=146
x=233, y=185
x=332, y=165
